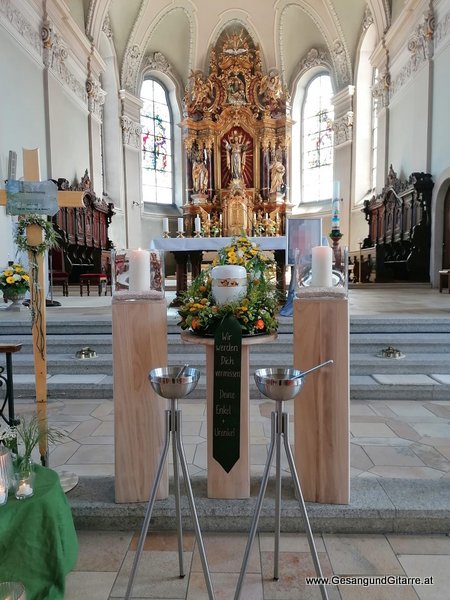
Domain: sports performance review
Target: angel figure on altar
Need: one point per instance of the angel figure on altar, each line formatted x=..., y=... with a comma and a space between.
x=236, y=153
x=277, y=172
x=199, y=176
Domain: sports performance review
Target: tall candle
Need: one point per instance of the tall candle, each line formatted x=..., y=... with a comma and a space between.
x=321, y=267
x=139, y=276
x=209, y=217
x=165, y=224
x=335, y=206
x=180, y=224
x=198, y=225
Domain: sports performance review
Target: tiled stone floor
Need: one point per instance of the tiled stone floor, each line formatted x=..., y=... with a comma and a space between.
x=395, y=439
x=105, y=560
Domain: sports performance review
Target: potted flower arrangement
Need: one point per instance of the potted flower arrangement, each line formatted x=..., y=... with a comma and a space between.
x=14, y=282
x=201, y=313
x=21, y=441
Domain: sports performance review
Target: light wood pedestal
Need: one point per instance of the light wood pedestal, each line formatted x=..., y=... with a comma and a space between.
x=139, y=344
x=236, y=483
x=321, y=410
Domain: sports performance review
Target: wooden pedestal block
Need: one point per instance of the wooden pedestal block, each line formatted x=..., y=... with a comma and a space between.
x=236, y=483
x=139, y=345
x=321, y=410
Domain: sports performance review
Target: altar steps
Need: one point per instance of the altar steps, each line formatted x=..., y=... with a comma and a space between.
x=422, y=373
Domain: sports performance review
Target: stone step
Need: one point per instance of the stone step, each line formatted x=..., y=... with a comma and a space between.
x=407, y=343
x=358, y=324
x=376, y=506
x=360, y=364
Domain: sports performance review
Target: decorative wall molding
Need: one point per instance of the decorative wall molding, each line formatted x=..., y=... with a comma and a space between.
x=339, y=57
x=29, y=33
x=96, y=97
x=315, y=57
x=55, y=55
x=157, y=62
x=131, y=62
x=421, y=50
x=343, y=129
x=131, y=132
x=367, y=19
x=442, y=31
x=380, y=91
x=106, y=27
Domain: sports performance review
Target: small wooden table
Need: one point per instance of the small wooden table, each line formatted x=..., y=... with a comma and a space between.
x=236, y=483
x=98, y=279
x=8, y=349
x=444, y=280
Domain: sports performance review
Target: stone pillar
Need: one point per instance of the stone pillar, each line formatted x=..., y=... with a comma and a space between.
x=96, y=100
x=343, y=148
x=132, y=160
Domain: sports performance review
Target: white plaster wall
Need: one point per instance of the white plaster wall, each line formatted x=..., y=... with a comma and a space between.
x=22, y=123
x=440, y=141
x=407, y=151
x=68, y=134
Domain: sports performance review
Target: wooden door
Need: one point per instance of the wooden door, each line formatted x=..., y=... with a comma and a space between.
x=446, y=247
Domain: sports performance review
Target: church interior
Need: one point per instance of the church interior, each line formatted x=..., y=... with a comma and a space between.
x=172, y=128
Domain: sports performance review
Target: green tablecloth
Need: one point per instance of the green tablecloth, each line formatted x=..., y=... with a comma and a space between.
x=38, y=542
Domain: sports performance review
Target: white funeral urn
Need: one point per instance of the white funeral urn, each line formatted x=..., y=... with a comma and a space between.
x=228, y=283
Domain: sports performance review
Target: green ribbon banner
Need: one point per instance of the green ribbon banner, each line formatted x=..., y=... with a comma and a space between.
x=227, y=393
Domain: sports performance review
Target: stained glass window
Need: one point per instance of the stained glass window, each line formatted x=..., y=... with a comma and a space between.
x=318, y=140
x=157, y=156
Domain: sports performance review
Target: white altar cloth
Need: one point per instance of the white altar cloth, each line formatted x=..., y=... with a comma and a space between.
x=213, y=243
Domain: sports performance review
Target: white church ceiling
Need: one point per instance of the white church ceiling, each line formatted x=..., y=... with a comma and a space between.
x=183, y=30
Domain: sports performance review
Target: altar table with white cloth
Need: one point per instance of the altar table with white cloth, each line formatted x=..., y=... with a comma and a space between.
x=185, y=249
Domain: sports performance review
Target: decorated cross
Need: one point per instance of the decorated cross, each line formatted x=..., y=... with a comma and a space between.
x=32, y=198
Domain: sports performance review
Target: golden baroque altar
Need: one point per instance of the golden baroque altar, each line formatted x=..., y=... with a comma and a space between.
x=236, y=132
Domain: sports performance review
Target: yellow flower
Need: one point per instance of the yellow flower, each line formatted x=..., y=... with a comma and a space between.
x=25, y=278
x=8, y=272
x=10, y=279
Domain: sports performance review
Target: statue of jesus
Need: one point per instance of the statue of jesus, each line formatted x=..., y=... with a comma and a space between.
x=236, y=153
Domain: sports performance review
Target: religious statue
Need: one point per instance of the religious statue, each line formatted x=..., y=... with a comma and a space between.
x=236, y=91
x=277, y=172
x=199, y=176
x=236, y=153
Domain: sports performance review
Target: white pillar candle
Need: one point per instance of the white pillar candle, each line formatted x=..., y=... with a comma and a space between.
x=321, y=267
x=139, y=276
x=165, y=224
x=180, y=224
x=209, y=217
x=198, y=225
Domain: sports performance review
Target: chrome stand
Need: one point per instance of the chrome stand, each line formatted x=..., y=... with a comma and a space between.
x=173, y=426
x=279, y=429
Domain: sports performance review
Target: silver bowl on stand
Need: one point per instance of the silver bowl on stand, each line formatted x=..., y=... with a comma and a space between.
x=280, y=384
x=173, y=383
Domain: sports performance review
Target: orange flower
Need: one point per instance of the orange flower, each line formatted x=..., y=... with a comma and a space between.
x=259, y=324
x=194, y=323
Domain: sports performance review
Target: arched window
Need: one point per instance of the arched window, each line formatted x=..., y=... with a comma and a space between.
x=317, y=136
x=365, y=126
x=157, y=144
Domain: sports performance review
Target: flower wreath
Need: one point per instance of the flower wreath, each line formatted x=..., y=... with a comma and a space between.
x=50, y=235
x=199, y=311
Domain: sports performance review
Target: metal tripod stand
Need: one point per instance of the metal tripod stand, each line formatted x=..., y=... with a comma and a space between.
x=173, y=383
x=280, y=385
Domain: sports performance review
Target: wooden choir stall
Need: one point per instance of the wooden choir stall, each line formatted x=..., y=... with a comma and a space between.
x=86, y=247
x=400, y=228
